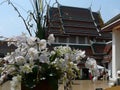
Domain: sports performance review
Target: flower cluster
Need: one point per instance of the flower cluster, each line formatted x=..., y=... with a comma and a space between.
x=91, y=64
x=32, y=61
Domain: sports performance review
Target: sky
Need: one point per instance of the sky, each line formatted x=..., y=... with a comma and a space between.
x=12, y=25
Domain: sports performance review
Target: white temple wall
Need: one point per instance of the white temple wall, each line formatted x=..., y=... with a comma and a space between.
x=115, y=53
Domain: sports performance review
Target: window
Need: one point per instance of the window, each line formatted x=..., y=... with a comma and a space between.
x=62, y=39
x=72, y=39
x=56, y=39
x=82, y=40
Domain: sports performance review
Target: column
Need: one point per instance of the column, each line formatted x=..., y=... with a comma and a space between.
x=115, y=53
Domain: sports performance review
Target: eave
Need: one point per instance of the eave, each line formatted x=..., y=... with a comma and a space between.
x=109, y=27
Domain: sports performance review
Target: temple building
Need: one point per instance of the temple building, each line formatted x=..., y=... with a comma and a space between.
x=79, y=28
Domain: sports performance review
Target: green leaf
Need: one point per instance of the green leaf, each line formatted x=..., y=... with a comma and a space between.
x=53, y=57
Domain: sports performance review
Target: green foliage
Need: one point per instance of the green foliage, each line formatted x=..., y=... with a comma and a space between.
x=52, y=58
x=40, y=33
x=39, y=74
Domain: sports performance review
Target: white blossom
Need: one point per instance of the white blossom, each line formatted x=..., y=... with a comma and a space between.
x=44, y=58
x=51, y=39
x=42, y=44
x=20, y=60
x=7, y=58
x=26, y=68
x=92, y=65
x=33, y=52
x=31, y=40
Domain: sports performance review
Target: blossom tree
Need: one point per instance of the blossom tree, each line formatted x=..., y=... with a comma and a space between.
x=32, y=62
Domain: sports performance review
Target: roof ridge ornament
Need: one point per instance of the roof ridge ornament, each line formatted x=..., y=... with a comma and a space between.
x=60, y=15
x=56, y=2
x=90, y=5
x=99, y=10
x=94, y=22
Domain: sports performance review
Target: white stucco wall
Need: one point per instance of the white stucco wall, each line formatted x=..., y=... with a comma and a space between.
x=115, y=53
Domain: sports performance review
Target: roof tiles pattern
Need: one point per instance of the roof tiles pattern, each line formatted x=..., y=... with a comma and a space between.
x=74, y=20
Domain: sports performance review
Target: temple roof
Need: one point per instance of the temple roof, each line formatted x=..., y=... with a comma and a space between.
x=73, y=20
x=105, y=35
x=98, y=48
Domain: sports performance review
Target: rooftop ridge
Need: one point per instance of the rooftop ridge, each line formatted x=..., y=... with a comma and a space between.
x=116, y=17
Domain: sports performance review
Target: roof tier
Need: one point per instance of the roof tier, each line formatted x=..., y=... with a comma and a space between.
x=73, y=20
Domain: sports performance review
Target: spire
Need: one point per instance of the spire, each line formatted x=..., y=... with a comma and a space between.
x=100, y=17
x=99, y=10
x=60, y=16
x=56, y=3
x=90, y=4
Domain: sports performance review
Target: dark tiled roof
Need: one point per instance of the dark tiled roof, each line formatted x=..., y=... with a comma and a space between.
x=98, y=48
x=102, y=51
x=54, y=14
x=98, y=19
x=74, y=13
x=74, y=21
x=4, y=48
x=107, y=35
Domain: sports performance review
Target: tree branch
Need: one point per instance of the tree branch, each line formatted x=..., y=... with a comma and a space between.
x=9, y=2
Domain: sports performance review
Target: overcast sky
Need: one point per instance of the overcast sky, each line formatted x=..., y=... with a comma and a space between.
x=11, y=24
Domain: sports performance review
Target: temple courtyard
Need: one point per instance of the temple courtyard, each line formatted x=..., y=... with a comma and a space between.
x=88, y=85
